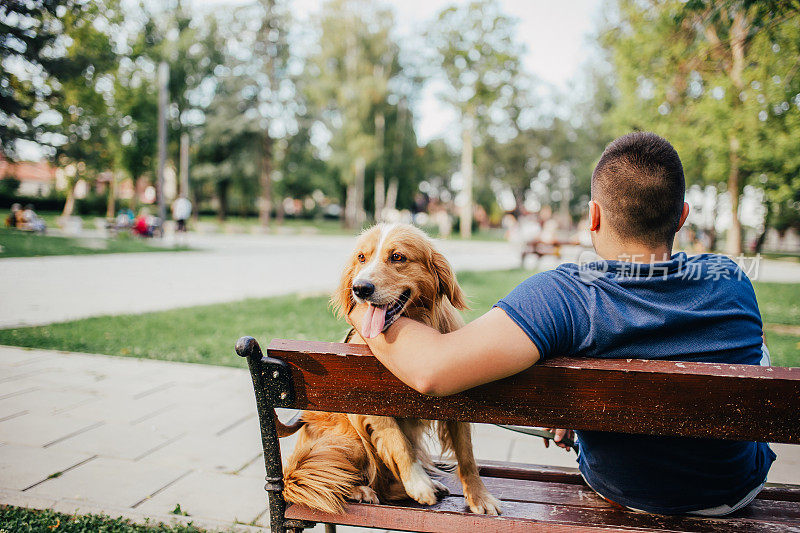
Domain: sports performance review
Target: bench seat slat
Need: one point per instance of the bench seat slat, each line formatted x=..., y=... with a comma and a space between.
x=450, y=515
x=565, y=475
x=632, y=396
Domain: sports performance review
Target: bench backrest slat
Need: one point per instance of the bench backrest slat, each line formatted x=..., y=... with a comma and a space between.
x=737, y=402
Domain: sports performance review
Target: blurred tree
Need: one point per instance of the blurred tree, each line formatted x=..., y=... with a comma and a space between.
x=301, y=170
x=193, y=50
x=274, y=89
x=230, y=142
x=29, y=31
x=353, y=68
x=688, y=71
x=85, y=99
x=773, y=99
x=479, y=58
x=137, y=105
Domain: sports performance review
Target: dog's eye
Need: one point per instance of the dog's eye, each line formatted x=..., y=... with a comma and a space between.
x=361, y=258
x=398, y=258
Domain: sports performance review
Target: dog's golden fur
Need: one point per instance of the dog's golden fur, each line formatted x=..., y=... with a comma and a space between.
x=374, y=458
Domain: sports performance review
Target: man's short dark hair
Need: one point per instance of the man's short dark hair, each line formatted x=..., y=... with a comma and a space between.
x=640, y=185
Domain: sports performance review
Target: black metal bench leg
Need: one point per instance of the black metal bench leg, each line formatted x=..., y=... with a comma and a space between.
x=248, y=347
x=330, y=528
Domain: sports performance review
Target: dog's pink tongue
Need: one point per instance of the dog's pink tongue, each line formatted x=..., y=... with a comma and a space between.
x=366, y=322
x=373, y=321
x=378, y=320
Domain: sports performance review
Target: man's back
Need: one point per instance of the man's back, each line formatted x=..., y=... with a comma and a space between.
x=700, y=309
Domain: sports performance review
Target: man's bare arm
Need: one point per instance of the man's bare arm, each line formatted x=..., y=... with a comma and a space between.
x=491, y=347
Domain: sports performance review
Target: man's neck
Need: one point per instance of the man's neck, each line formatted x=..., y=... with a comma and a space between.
x=634, y=253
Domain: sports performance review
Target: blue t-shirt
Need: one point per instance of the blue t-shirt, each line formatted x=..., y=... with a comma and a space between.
x=699, y=308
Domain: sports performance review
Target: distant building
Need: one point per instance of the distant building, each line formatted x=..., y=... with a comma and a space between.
x=36, y=178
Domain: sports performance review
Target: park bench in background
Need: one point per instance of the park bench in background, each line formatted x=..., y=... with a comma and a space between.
x=540, y=249
x=631, y=396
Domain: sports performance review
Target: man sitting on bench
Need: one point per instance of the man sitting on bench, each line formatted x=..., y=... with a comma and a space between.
x=640, y=302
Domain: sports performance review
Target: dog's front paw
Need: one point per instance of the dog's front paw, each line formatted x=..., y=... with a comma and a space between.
x=364, y=494
x=483, y=503
x=420, y=487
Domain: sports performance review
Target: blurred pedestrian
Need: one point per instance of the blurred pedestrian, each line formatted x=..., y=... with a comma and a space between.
x=141, y=224
x=31, y=221
x=12, y=220
x=181, y=211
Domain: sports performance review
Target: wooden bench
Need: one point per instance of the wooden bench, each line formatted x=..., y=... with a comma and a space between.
x=540, y=249
x=632, y=396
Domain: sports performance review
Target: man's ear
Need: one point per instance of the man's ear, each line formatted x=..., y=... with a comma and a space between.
x=342, y=298
x=594, y=216
x=684, y=214
x=448, y=285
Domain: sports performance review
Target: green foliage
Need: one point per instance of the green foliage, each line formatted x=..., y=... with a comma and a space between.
x=86, y=96
x=21, y=520
x=480, y=58
x=718, y=80
x=27, y=31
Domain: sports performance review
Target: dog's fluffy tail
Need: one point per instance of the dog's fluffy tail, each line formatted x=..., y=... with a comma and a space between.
x=321, y=476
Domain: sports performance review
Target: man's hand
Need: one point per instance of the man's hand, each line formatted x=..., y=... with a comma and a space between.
x=356, y=316
x=561, y=436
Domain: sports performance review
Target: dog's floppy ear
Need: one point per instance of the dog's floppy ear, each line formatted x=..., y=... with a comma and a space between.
x=342, y=298
x=448, y=285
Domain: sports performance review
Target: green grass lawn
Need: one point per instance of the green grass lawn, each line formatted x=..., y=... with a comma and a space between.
x=21, y=520
x=15, y=243
x=205, y=334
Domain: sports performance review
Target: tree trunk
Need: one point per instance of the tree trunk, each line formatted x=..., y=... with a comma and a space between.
x=380, y=184
x=360, y=215
x=738, y=35
x=195, y=206
x=763, y=236
x=184, y=170
x=69, y=204
x=222, y=196
x=112, y=192
x=391, y=195
x=265, y=205
x=350, y=207
x=466, y=174
x=733, y=245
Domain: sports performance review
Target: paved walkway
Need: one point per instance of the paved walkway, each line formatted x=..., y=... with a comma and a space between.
x=228, y=268
x=136, y=438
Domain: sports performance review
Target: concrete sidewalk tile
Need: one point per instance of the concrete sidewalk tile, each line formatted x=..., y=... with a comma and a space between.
x=22, y=466
x=11, y=389
x=48, y=402
x=17, y=498
x=13, y=356
x=118, y=409
x=41, y=430
x=110, y=481
x=227, y=453
x=198, y=418
x=212, y=495
x=115, y=439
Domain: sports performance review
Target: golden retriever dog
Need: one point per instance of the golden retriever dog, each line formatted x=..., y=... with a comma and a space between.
x=338, y=457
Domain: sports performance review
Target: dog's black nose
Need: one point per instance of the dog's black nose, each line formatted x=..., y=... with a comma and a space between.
x=363, y=289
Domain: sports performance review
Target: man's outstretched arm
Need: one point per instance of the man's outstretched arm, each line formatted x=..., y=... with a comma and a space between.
x=489, y=348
